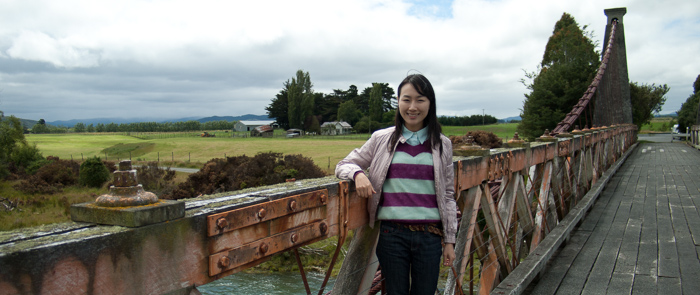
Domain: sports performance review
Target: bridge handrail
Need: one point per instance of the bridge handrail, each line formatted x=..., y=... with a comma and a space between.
x=521, y=192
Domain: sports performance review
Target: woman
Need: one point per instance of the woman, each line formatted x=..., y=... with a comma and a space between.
x=410, y=185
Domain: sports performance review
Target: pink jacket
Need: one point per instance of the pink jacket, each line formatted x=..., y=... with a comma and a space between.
x=376, y=158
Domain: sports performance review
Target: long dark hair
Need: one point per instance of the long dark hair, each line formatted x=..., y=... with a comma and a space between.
x=423, y=86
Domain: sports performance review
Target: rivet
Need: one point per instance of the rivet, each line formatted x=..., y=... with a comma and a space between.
x=294, y=238
x=224, y=262
x=324, y=228
x=263, y=248
x=222, y=223
x=324, y=198
x=293, y=205
x=262, y=213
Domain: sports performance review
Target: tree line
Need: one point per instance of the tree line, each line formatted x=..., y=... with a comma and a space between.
x=184, y=126
x=298, y=106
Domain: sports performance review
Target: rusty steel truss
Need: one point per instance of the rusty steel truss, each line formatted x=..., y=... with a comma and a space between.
x=521, y=193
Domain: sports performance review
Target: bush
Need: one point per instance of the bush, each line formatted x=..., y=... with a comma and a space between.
x=155, y=179
x=234, y=173
x=93, y=173
x=481, y=138
x=50, y=178
x=26, y=155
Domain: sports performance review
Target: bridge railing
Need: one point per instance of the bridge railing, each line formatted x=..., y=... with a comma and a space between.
x=510, y=201
x=695, y=135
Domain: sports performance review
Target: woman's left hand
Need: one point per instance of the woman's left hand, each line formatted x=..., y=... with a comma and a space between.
x=448, y=254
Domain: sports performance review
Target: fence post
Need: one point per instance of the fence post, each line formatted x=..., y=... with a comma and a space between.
x=158, y=157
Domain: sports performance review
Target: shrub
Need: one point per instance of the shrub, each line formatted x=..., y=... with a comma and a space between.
x=26, y=155
x=234, y=173
x=93, y=173
x=481, y=138
x=50, y=178
x=156, y=179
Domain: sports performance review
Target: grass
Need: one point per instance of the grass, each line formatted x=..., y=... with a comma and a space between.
x=657, y=125
x=173, y=149
x=193, y=151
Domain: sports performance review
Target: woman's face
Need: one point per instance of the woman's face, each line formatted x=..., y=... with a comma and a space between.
x=413, y=107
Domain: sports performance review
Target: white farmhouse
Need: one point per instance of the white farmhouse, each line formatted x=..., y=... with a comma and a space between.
x=336, y=128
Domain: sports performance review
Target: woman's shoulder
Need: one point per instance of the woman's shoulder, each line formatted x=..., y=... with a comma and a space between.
x=445, y=139
x=384, y=132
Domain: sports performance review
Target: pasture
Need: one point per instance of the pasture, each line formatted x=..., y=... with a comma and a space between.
x=190, y=150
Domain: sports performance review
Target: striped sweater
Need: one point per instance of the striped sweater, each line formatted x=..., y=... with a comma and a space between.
x=409, y=190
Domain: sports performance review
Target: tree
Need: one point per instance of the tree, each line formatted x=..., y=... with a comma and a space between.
x=348, y=112
x=300, y=99
x=278, y=109
x=569, y=64
x=79, y=127
x=11, y=138
x=375, y=102
x=40, y=127
x=647, y=100
x=689, y=112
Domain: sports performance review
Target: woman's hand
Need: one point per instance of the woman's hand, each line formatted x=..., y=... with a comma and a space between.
x=363, y=186
x=448, y=254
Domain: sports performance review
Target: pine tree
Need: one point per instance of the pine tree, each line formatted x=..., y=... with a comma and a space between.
x=568, y=65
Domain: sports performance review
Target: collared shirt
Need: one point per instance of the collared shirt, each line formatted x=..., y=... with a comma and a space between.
x=415, y=138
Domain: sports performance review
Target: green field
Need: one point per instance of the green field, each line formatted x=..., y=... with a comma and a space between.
x=661, y=124
x=193, y=151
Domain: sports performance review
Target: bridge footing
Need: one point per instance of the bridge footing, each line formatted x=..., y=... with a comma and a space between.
x=136, y=216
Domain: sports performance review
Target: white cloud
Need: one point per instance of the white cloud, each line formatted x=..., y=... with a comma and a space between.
x=182, y=58
x=38, y=46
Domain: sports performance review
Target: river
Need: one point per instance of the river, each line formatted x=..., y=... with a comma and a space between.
x=266, y=284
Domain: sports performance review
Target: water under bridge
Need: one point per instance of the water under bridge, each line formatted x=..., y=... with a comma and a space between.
x=578, y=211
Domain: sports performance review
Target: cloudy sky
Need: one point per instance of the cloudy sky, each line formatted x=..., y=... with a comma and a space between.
x=70, y=59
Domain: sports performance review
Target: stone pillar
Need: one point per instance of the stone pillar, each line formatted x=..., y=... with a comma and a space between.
x=612, y=103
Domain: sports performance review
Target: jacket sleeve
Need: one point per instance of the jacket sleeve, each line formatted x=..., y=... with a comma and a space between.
x=451, y=210
x=359, y=159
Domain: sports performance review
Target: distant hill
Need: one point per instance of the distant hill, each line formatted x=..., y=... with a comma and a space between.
x=25, y=122
x=95, y=121
x=248, y=117
x=507, y=120
x=672, y=115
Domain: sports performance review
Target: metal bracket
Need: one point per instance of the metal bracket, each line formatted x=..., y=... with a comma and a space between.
x=228, y=221
x=228, y=260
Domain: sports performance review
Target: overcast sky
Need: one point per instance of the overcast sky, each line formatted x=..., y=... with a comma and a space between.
x=62, y=60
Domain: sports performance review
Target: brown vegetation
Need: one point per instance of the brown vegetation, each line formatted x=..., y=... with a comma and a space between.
x=480, y=138
x=234, y=173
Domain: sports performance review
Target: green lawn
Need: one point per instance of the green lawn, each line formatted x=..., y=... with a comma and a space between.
x=325, y=151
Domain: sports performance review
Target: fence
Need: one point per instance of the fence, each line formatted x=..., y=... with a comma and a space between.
x=511, y=202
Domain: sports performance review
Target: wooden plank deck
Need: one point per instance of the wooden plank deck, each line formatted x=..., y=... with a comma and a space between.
x=642, y=236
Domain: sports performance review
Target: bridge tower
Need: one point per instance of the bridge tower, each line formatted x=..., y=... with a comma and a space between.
x=613, y=104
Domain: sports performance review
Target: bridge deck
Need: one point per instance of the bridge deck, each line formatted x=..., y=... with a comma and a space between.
x=643, y=234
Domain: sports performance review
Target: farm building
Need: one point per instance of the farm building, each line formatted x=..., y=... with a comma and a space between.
x=262, y=131
x=336, y=128
x=250, y=125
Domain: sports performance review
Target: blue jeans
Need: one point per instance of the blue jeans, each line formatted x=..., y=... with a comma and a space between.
x=410, y=260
